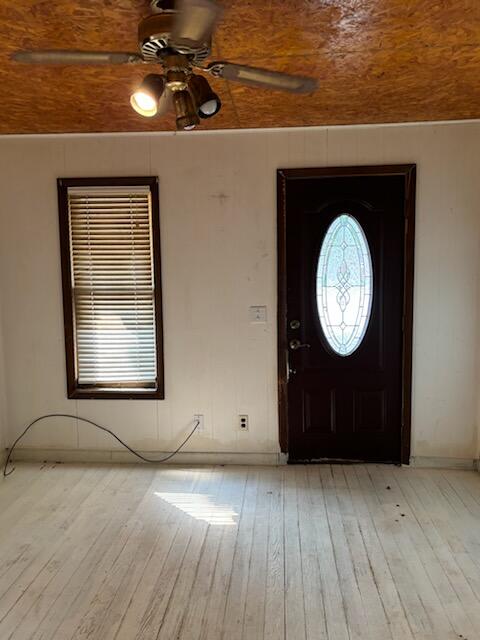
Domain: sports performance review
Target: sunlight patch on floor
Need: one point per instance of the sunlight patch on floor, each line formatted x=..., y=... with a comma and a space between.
x=201, y=507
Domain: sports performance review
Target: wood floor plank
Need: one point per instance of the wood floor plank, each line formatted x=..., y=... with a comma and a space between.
x=213, y=620
x=254, y=616
x=156, y=530
x=232, y=626
x=100, y=618
x=156, y=600
x=459, y=526
x=352, y=601
x=381, y=573
x=139, y=610
x=12, y=490
x=73, y=600
x=312, y=588
x=459, y=590
x=294, y=605
x=56, y=563
x=421, y=568
x=34, y=566
x=48, y=494
x=203, y=503
x=274, y=623
x=430, y=553
x=320, y=552
x=377, y=624
x=208, y=585
x=334, y=605
x=416, y=613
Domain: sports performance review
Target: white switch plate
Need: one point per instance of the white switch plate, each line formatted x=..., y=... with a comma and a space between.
x=258, y=314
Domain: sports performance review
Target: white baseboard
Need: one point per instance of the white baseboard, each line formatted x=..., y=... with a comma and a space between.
x=431, y=462
x=27, y=454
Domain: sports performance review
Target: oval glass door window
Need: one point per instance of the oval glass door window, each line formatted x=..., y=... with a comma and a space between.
x=344, y=285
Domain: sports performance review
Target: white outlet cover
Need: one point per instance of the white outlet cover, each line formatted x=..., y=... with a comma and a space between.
x=257, y=314
x=200, y=418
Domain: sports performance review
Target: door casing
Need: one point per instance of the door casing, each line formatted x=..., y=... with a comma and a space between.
x=284, y=176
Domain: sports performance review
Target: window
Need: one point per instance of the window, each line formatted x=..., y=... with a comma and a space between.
x=110, y=246
x=344, y=285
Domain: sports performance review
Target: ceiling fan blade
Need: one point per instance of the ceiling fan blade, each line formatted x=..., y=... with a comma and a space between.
x=263, y=78
x=76, y=57
x=194, y=23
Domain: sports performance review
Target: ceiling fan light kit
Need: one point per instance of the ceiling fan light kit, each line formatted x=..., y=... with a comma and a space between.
x=206, y=100
x=187, y=118
x=146, y=98
x=178, y=37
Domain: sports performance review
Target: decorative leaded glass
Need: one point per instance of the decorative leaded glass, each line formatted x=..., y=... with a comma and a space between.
x=344, y=285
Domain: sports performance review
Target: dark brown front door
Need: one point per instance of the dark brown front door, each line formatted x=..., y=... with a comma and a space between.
x=345, y=312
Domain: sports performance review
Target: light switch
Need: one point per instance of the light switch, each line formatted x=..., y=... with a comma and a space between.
x=258, y=315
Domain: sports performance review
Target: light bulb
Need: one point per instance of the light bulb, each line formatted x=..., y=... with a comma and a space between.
x=144, y=104
x=145, y=99
x=209, y=108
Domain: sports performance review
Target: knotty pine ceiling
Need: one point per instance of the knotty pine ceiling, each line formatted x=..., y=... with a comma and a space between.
x=375, y=60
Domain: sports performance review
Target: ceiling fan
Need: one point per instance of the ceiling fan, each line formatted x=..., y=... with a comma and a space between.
x=178, y=36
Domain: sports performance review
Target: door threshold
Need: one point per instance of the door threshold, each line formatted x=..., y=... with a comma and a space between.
x=340, y=461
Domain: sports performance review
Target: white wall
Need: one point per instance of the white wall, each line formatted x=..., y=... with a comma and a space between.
x=3, y=395
x=218, y=216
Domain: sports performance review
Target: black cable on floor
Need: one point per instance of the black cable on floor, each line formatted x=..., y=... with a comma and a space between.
x=68, y=415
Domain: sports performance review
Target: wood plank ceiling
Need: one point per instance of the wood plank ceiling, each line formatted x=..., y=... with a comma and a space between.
x=376, y=61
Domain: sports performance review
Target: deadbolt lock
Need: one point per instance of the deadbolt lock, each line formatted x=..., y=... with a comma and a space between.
x=294, y=324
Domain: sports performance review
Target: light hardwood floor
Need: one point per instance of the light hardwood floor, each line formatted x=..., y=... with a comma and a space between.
x=302, y=552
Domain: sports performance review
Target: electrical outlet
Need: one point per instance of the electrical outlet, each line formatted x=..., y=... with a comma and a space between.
x=243, y=422
x=200, y=418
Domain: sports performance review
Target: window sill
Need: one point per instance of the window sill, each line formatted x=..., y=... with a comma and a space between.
x=115, y=394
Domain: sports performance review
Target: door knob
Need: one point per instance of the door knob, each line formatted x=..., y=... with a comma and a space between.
x=296, y=344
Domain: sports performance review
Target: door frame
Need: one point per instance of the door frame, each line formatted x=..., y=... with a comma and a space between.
x=284, y=176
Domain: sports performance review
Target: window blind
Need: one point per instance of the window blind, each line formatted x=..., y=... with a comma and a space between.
x=113, y=286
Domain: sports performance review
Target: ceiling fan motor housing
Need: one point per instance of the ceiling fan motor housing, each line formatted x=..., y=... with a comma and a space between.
x=154, y=39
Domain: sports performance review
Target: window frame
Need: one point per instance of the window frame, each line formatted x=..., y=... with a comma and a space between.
x=74, y=391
